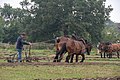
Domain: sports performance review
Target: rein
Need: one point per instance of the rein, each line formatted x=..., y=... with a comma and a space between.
x=47, y=41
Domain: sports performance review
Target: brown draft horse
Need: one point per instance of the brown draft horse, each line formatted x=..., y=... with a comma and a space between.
x=60, y=45
x=102, y=49
x=113, y=48
x=75, y=47
x=109, y=48
x=88, y=47
x=65, y=44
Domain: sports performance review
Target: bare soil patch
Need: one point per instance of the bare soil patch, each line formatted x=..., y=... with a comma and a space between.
x=56, y=63
x=108, y=78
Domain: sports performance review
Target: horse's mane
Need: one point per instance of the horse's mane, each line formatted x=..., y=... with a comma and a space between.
x=66, y=36
x=108, y=43
x=59, y=38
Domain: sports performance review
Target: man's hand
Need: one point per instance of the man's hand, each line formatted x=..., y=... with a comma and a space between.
x=30, y=43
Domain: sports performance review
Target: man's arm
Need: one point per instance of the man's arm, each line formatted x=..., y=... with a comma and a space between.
x=25, y=42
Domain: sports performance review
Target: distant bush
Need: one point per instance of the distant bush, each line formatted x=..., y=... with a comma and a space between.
x=42, y=45
x=6, y=46
x=38, y=45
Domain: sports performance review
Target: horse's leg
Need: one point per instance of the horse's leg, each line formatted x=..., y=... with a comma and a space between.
x=72, y=56
x=107, y=55
x=62, y=51
x=88, y=51
x=56, y=57
x=60, y=58
x=77, y=57
x=67, y=58
x=101, y=54
x=118, y=54
x=83, y=57
x=110, y=55
x=104, y=54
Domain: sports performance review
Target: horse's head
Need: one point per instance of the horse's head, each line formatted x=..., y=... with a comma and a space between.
x=61, y=39
x=100, y=45
x=60, y=47
x=103, y=46
x=107, y=46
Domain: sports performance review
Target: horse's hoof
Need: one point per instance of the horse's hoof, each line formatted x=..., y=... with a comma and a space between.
x=58, y=61
x=81, y=61
x=67, y=61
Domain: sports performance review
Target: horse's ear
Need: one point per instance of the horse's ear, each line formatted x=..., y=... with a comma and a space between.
x=57, y=38
x=98, y=43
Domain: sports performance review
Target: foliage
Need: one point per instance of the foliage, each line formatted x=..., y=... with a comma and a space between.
x=12, y=18
x=111, y=32
x=1, y=29
x=46, y=19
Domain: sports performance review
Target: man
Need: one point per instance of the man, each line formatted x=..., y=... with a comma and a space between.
x=19, y=45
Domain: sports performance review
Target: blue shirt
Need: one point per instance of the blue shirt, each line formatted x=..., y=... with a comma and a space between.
x=20, y=42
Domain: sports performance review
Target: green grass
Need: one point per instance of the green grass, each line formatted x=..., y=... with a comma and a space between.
x=30, y=72
x=53, y=72
x=42, y=52
x=34, y=52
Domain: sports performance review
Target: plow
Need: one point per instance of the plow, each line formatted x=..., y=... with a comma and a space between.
x=12, y=58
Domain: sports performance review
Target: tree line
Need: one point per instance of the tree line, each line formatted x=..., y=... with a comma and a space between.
x=45, y=19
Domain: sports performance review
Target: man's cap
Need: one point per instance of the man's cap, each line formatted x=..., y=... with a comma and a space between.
x=23, y=33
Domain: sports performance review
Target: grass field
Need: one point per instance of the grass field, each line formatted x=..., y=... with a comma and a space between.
x=53, y=72
x=24, y=71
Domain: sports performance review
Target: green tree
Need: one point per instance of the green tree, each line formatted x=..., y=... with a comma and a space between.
x=1, y=29
x=12, y=25
x=85, y=17
x=46, y=19
x=111, y=33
